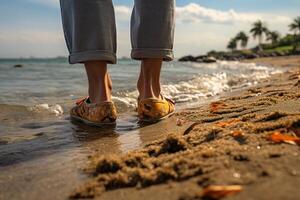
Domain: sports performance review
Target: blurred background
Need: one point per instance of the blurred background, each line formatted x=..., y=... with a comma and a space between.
x=32, y=28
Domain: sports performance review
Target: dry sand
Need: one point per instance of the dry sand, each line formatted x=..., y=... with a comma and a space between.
x=221, y=143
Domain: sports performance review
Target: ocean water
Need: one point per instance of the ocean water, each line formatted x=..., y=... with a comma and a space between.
x=54, y=85
x=35, y=99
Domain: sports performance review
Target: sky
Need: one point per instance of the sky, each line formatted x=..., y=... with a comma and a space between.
x=32, y=28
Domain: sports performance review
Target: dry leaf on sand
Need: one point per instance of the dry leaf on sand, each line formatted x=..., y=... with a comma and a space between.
x=227, y=123
x=218, y=191
x=215, y=106
x=278, y=137
x=237, y=133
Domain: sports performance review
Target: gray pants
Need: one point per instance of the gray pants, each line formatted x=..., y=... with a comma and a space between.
x=90, y=30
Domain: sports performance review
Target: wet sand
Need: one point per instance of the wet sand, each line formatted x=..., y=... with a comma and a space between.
x=223, y=142
x=227, y=142
x=48, y=159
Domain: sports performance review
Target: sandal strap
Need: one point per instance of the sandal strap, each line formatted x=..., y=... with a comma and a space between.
x=163, y=97
x=169, y=100
x=81, y=101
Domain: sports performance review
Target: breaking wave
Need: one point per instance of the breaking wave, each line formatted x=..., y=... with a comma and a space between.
x=231, y=75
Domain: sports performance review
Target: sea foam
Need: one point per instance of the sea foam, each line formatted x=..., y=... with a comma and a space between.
x=231, y=75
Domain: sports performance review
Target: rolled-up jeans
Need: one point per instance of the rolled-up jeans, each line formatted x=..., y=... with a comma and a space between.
x=90, y=29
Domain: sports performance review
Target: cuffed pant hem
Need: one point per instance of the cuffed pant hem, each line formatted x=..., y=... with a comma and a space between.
x=165, y=54
x=85, y=56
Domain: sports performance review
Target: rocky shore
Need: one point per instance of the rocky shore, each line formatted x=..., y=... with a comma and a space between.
x=213, y=57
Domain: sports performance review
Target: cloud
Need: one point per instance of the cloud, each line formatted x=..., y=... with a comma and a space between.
x=198, y=29
x=194, y=13
x=123, y=12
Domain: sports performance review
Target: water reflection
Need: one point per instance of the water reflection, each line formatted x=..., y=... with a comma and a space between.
x=127, y=135
x=123, y=137
x=32, y=139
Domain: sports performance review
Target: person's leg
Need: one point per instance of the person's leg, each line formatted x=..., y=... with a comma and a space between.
x=90, y=33
x=100, y=84
x=149, y=79
x=152, y=34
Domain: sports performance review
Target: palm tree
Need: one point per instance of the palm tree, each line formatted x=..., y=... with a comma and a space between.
x=243, y=38
x=295, y=26
x=232, y=45
x=258, y=30
x=273, y=36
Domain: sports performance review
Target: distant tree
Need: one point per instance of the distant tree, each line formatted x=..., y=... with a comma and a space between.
x=295, y=26
x=243, y=38
x=273, y=36
x=258, y=30
x=232, y=45
x=287, y=40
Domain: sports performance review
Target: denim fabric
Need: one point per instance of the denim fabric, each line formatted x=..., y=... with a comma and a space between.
x=90, y=29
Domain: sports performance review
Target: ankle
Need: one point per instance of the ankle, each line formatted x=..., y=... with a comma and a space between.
x=100, y=85
x=150, y=91
x=149, y=81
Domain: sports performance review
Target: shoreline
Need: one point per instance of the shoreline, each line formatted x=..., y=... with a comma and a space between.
x=185, y=153
x=225, y=142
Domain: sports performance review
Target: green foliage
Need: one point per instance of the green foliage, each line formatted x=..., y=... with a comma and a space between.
x=259, y=29
x=295, y=26
x=232, y=45
x=287, y=40
x=281, y=49
x=290, y=43
x=216, y=53
x=273, y=36
x=242, y=38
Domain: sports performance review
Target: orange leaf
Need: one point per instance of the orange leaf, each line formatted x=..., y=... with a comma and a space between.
x=277, y=137
x=227, y=123
x=215, y=106
x=218, y=192
x=237, y=133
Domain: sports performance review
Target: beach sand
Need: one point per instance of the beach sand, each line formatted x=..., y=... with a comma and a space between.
x=248, y=138
x=222, y=141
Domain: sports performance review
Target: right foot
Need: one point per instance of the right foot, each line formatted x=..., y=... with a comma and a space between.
x=154, y=110
x=96, y=114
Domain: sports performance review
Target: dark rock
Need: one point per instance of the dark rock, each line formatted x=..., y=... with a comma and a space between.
x=279, y=53
x=187, y=58
x=200, y=57
x=209, y=60
x=18, y=66
x=199, y=60
x=251, y=56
